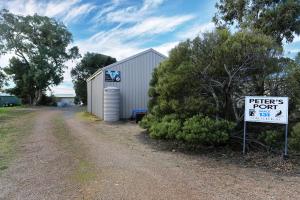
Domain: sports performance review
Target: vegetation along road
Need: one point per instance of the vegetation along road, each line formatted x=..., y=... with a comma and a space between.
x=65, y=154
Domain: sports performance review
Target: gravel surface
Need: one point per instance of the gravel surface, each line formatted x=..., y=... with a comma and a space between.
x=42, y=166
x=125, y=167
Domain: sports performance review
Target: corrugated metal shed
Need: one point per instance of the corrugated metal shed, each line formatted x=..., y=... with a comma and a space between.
x=135, y=73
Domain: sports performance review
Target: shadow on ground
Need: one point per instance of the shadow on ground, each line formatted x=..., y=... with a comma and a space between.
x=261, y=160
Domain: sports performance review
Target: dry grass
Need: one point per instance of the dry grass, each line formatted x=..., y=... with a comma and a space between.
x=86, y=116
x=15, y=123
x=84, y=170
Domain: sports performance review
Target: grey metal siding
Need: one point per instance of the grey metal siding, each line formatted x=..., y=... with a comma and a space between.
x=97, y=96
x=89, y=83
x=135, y=77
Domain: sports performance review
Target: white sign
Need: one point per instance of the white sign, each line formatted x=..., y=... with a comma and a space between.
x=266, y=109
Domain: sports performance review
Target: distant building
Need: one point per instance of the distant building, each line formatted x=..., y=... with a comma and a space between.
x=64, y=100
x=9, y=100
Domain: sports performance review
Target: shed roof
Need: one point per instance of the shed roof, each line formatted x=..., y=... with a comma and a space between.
x=6, y=95
x=64, y=95
x=99, y=71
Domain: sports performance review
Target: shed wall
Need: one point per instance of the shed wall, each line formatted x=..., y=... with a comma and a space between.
x=97, y=96
x=135, y=77
x=89, y=84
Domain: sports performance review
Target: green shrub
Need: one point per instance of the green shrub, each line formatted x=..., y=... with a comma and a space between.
x=295, y=137
x=168, y=128
x=272, y=138
x=204, y=130
x=147, y=121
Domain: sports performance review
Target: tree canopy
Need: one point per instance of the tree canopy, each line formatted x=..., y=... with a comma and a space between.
x=277, y=18
x=2, y=79
x=213, y=74
x=88, y=65
x=39, y=45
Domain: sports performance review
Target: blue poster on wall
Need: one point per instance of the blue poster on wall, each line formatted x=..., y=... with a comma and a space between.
x=112, y=76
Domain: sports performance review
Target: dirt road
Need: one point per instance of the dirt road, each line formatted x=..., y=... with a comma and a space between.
x=66, y=157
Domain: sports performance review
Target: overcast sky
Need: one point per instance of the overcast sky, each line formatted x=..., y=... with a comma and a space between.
x=121, y=28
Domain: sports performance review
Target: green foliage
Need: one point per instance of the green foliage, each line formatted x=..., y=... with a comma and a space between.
x=204, y=130
x=272, y=138
x=295, y=137
x=15, y=124
x=210, y=75
x=168, y=128
x=40, y=46
x=297, y=59
x=279, y=19
x=89, y=64
x=2, y=79
x=147, y=121
x=47, y=100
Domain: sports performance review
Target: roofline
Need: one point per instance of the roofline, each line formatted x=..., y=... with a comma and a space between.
x=99, y=71
x=64, y=97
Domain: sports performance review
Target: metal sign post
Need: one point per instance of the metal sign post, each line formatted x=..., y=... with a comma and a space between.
x=266, y=110
x=286, y=141
x=244, y=140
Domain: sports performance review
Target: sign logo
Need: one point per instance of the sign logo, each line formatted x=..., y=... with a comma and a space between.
x=112, y=76
x=266, y=109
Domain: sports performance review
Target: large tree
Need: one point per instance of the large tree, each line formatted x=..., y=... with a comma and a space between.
x=89, y=64
x=2, y=79
x=39, y=45
x=211, y=75
x=205, y=81
x=277, y=18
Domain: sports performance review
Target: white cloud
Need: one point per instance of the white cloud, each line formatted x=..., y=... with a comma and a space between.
x=296, y=38
x=149, y=4
x=195, y=30
x=122, y=42
x=4, y=59
x=156, y=25
x=106, y=8
x=166, y=47
x=67, y=10
x=77, y=12
x=57, y=8
x=62, y=89
x=133, y=13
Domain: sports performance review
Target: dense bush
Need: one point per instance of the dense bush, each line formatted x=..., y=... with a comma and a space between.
x=167, y=128
x=47, y=100
x=295, y=137
x=147, y=121
x=198, y=129
x=272, y=138
x=204, y=130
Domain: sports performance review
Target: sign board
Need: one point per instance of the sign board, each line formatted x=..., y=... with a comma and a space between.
x=112, y=76
x=266, y=109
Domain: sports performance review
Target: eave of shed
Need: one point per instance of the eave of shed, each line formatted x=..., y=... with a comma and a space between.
x=99, y=71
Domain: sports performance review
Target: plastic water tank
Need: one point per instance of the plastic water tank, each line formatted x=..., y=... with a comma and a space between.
x=111, y=104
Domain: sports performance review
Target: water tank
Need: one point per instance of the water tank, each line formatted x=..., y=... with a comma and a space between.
x=111, y=104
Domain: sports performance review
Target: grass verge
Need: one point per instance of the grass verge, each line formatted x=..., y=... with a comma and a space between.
x=15, y=123
x=86, y=116
x=84, y=171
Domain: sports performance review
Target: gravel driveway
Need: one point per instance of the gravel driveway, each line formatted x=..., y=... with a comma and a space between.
x=118, y=165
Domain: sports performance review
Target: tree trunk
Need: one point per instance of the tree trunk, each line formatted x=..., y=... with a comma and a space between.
x=37, y=97
x=216, y=103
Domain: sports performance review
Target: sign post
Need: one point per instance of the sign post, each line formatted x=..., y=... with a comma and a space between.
x=266, y=110
x=244, y=140
x=286, y=141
